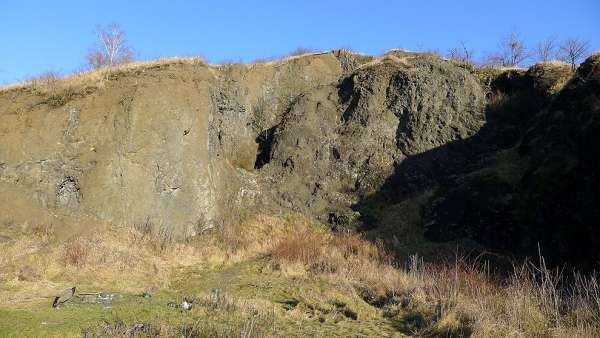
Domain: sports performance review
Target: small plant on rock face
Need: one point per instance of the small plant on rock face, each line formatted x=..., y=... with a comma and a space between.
x=46, y=82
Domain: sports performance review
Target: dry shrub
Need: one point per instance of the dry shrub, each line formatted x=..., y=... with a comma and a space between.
x=355, y=245
x=56, y=89
x=534, y=301
x=303, y=246
x=76, y=252
x=497, y=99
x=46, y=83
x=346, y=258
x=255, y=236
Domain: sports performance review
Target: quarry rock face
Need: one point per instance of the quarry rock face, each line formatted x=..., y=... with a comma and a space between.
x=130, y=153
x=540, y=190
x=166, y=147
x=179, y=146
x=338, y=144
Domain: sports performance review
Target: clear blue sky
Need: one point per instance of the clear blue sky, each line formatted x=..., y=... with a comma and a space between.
x=41, y=36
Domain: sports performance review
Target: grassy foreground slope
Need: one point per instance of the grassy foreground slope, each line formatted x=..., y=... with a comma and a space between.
x=271, y=277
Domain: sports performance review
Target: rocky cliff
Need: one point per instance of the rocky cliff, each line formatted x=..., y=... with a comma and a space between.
x=179, y=146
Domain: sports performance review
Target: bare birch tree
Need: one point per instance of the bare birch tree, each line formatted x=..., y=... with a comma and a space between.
x=573, y=50
x=545, y=50
x=111, y=49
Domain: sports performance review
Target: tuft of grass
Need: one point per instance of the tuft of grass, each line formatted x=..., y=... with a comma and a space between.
x=303, y=246
x=51, y=82
x=43, y=230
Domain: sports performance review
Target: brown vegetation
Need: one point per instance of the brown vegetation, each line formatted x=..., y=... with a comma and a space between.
x=302, y=51
x=51, y=82
x=458, y=297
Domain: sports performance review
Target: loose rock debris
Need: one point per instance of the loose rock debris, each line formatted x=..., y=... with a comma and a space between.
x=64, y=297
x=70, y=295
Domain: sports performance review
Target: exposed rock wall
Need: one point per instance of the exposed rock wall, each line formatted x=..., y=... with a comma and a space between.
x=170, y=147
x=181, y=146
x=536, y=185
x=135, y=151
x=339, y=143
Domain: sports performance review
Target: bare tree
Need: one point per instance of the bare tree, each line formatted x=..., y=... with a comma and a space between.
x=461, y=54
x=112, y=47
x=573, y=50
x=545, y=50
x=512, y=52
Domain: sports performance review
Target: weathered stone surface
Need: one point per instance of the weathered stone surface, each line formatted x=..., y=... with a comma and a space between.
x=339, y=143
x=183, y=147
x=351, y=140
x=172, y=146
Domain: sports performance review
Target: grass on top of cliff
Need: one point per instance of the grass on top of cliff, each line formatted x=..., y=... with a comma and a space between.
x=271, y=277
x=52, y=82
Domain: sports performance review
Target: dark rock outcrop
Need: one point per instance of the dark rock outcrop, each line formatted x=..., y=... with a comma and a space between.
x=541, y=189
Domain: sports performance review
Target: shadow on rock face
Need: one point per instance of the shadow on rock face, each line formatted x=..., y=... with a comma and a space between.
x=526, y=180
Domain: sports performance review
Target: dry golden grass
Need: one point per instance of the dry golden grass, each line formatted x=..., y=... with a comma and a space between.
x=126, y=258
x=457, y=297
x=559, y=63
x=49, y=82
x=344, y=257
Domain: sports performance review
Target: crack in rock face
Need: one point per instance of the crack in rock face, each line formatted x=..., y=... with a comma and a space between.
x=72, y=124
x=68, y=193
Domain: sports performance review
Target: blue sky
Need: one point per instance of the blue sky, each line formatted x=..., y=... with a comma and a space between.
x=41, y=36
